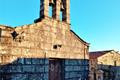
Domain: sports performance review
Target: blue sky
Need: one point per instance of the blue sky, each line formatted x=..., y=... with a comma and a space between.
x=95, y=21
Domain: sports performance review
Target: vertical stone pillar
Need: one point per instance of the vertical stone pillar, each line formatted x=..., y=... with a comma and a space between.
x=44, y=8
x=66, y=11
x=0, y=32
x=56, y=9
x=99, y=75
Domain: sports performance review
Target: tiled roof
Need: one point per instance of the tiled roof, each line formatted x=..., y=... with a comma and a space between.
x=96, y=54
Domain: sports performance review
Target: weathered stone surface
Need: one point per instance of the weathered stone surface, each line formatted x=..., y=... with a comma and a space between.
x=25, y=51
x=39, y=39
x=107, y=62
x=25, y=69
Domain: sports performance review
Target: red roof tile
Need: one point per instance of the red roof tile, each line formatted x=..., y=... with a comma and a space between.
x=96, y=54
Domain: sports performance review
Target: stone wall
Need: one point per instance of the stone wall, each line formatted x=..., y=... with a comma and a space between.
x=46, y=39
x=39, y=69
x=44, y=50
x=108, y=64
x=25, y=69
x=76, y=69
x=112, y=58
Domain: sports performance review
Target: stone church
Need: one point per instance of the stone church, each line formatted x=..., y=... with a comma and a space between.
x=45, y=50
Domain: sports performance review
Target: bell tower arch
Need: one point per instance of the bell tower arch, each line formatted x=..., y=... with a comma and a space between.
x=57, y=7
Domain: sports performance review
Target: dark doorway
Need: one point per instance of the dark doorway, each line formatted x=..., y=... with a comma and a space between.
x=55, y=69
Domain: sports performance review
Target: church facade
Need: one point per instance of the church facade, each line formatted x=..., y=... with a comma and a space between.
x=45, y=50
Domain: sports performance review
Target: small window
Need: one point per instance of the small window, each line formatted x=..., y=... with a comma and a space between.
x=14, y=34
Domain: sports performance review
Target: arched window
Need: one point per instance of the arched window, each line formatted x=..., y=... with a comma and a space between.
x=61, y=16
x=50, y=11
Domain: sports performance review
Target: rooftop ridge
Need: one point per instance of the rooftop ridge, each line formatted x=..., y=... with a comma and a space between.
x=101, y=51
